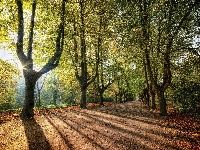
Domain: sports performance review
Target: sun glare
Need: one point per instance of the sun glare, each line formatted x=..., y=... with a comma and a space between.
x=19, y=65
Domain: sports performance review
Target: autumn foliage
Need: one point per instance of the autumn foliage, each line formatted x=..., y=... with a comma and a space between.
x=130, y=125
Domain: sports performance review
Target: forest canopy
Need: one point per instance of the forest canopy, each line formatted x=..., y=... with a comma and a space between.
x=80, y=51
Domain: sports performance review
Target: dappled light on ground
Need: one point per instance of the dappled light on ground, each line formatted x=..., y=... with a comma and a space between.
x=125, y=126
x=35, y=136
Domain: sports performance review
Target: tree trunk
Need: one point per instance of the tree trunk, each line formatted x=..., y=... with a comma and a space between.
x=162, y=102
x=147, y=96
x=83, y=97
x=30, y=81
x=152, y=95
x=116, y=97
x=153, y=100
x=101, y=98
x=95, y=91
x=120, y=96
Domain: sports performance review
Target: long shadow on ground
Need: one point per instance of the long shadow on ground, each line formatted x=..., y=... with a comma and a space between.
x=35, y=136
x=125, y=141
x=115, y=125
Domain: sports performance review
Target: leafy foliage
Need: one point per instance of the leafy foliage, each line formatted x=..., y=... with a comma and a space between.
x=8, y=85
x=115, y=36
x=187, y=96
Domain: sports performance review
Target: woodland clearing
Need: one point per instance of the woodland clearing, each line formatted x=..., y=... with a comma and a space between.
x=116, y=126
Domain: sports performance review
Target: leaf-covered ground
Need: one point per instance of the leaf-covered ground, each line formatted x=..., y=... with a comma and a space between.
x=122, y=126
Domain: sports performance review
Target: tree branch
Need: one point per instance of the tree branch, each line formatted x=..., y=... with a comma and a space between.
x=109, y=83
x=92, y=80
x=97, y=53
x=30, y=42
x=75, y=51
x=185, y=17
x=20, y=33
x=195, y=51
x=54, y=60
x=167, y=70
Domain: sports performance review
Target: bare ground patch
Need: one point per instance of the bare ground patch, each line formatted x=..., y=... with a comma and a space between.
x=125, y=126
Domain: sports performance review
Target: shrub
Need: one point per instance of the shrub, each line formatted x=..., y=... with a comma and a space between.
x=187, y=96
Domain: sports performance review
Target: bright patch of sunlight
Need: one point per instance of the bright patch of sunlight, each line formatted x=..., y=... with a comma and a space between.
x=8, y=56
x=19, y=65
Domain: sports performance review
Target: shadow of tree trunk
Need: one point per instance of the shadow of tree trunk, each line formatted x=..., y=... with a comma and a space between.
x=35, y=136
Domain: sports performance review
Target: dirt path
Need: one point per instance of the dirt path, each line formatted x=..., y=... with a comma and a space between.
x=127, y=126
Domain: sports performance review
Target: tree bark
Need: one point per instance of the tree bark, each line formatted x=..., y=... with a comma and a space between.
x=30, y=81
x=82, y=75
x=95, y=91
x=162, y=102
x=101, y=98
x=160, y=89
x=147, y=83
x=83, y=97
x=153, y=100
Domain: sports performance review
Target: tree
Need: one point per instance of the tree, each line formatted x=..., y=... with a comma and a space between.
x=38, y=88
x=168, y=39
x=101, y=84
x=105, y=42
x=8, y=84
x=154, y=27
x=82, y=27
x=133, y=45
x=30, y=75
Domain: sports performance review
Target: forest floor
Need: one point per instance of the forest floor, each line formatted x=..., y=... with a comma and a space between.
x=117, y=126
